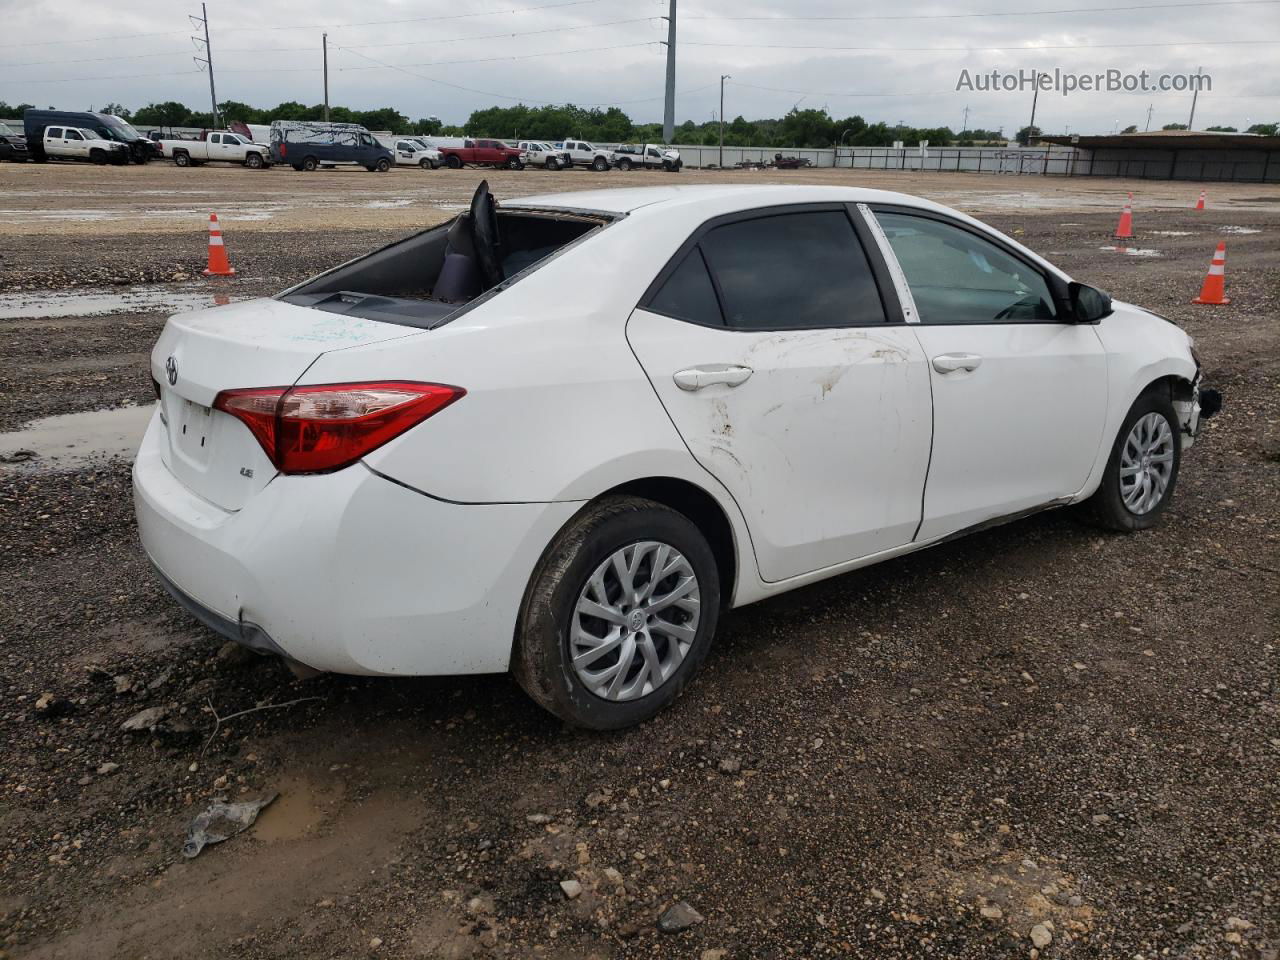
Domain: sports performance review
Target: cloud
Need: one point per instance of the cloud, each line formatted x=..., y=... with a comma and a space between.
x=610, y=51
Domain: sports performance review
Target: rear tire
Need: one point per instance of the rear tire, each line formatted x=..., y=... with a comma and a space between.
x=181, y=159
x=382, y=166
x=310, y=164
x=1146, y=455
x=575, y=571
x=624, y=164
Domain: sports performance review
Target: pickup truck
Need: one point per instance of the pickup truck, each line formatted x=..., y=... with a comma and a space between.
x=542, y=154
x=650, y=156
x=412, y=152
x=81, y=143
x=216, y=146
x=583, y=154
x=482, y=153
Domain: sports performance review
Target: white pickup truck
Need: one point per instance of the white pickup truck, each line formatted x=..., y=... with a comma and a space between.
x=649, y=156
x=584, y=154
x=539, y=153
x=220, y=145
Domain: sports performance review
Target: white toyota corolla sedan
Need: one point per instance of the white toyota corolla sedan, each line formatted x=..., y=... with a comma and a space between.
x=559, y=435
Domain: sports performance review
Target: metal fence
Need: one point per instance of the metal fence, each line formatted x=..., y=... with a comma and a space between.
x=1244, y=166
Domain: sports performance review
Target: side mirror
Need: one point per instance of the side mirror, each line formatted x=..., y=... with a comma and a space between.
x=1088, y=304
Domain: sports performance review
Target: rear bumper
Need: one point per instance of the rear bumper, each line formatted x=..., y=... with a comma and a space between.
x=346, y=572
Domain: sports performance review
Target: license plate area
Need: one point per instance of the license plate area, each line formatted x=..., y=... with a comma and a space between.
x=191, y=430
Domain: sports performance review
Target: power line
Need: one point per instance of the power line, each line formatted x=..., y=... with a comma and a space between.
x=992, y=13
x=490, y=93
x=521, y=56
x=310, y=26
x=1015, y=48
x=507, y=34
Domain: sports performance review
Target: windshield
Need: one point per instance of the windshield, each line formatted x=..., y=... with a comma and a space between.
x=5, y=131
x=113, y=128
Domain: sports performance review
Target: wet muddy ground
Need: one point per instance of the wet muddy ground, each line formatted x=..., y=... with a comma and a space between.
x=1040, y=724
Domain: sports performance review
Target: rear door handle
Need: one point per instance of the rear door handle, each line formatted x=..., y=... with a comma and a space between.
x=704, y=375
x=951, y=362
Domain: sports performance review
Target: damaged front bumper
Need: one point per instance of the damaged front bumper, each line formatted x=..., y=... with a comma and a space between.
x=1203, y=404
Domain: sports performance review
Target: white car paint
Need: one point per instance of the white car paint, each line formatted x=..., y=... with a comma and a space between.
x=79, y=143
x=415, y=560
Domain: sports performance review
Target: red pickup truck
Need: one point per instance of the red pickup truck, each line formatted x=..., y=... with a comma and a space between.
x=482, y=153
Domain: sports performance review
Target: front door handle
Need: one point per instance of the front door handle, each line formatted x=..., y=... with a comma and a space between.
x=951, y=362
x=704, y=375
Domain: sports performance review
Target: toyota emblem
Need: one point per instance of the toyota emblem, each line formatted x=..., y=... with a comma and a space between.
x=171, y=371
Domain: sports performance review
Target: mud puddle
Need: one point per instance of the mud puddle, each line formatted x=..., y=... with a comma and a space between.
x=35, y=304
x=1134, y=251
x=75, y=439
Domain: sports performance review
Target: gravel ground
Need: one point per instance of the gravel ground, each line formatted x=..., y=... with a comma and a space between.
x=1040, y=734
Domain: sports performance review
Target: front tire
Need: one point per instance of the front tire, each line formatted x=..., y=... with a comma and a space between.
x=1142, y=470
x=453, y=162
x=97, y=157
x=553, y=163
x=618, y=615
x=599, y=164
x=253, y=161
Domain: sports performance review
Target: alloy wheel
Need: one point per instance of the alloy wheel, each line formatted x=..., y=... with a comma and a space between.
x=1146, y=464
x=635, y=621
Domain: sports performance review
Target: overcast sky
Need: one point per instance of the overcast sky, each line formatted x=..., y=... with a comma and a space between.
x=269, y=50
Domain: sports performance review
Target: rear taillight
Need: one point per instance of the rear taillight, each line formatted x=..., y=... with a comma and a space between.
x=325, y=427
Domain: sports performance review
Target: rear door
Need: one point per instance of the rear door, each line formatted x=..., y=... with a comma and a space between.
x=775, y=350
x=53, y=142
x=1019, y=392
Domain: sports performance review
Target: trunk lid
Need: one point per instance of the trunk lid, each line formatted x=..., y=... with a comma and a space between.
x=257, y=343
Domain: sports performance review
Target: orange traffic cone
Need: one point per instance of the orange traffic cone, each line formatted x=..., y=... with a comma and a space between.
x=1215, y=282
x=1200, y=202
x=1124, y=229
x=219, y=266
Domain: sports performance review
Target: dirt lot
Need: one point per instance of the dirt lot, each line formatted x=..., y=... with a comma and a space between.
x=1040, y=724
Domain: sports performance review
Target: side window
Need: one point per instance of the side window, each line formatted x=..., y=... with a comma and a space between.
x=688, y=293
x=793, y=270
x=957, y=277
x=74, y=135
x=54, y=132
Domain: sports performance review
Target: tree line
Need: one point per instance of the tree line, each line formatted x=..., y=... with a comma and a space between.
x=797, y=129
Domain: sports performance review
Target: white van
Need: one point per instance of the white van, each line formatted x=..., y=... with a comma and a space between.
x=77, y=143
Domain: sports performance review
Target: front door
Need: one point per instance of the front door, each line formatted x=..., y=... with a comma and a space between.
x=766, y=340
x=1019, y=392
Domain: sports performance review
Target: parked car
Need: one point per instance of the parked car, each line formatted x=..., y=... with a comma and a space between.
x=217, y=145
x=406, y=463
x=411, y=152
x=306, y=145
x=13, y=145
x=541, y=154
x=650, y=156
x=76, y=143
x=103, y=126
x=584, y=154
x=482, y=152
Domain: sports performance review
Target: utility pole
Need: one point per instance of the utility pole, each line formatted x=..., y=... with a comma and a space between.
x=1035, y=77
x=964, y=126
x=669, y=114
x=1150, y=109
x=207, y=59
x=324, y=39
x=723, y=78
x=1194, y=94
